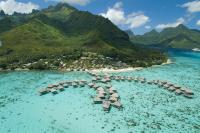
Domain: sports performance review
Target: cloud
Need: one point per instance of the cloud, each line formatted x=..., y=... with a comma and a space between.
x=147, y=27
x=198, y=22
x=117, y=15
x=76, y=2
x=175, y=24
x=193, y=6
x=11, y=6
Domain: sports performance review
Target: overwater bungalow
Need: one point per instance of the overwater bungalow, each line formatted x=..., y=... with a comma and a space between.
x=68, y=82
x=101, y=92
x=55, y=85
x=110, y=91
x=113, y=99
x=163, y=82
x=142, y=80
x=91, y=85
x=187, y=95
x=108, y=86
x=54, y=91
x=149, y=82
x=177, y=87
x=117, y=104
x=60, y=88
x=95, y=86
x=66, y=85
x=43, y=91
x=166, y=86
x=115, y=95
x=171, y=88
x=122, y=78
x=94, y=79
x=97, y=100
x=101, y=95
x=129, y=79
x=136, y=79
x=50, y=86
x=82, y=84
x=61, y=83
x=113, y=89
x=178, y=92
x=106, y=105
x=100, y=89
x=187, y=91
x=160, y=84
x=117, y=78
x=74, y=84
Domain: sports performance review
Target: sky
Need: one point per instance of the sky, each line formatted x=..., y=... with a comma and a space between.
x=140, y=16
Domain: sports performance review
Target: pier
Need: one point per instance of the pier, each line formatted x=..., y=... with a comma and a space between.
x=106, y=94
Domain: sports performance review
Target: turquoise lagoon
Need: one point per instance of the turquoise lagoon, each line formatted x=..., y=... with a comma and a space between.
x=147, y=108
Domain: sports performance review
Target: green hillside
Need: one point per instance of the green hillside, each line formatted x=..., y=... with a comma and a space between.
x=178, y=37
x=65, y=33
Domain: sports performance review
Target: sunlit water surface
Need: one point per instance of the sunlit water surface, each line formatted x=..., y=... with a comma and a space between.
x=147, y=108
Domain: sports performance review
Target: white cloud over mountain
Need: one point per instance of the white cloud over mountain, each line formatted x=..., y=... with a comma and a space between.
x=198, y=22
x=76, y=2
x=117, y=15
x=11, y=6
x=175, y=24
x=193, y=6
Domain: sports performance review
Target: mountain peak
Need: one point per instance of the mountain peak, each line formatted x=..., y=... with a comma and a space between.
x=181, y=26
x=63, y=5
x=130, y=32
x=152, y=32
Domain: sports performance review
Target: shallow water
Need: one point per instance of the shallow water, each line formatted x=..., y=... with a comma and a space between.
x=147, y=108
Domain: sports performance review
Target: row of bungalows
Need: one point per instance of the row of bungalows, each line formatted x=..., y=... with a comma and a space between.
x=174, y=88
x=55, y=88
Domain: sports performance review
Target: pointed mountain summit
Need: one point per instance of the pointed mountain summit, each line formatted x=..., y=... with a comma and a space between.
x=177, y=37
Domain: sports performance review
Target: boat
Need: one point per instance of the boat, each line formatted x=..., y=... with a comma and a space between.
x=196, y=49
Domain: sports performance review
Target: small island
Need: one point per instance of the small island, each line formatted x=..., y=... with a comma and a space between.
x=53, y=39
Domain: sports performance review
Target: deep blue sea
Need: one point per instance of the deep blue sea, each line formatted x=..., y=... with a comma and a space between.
x=147, y=108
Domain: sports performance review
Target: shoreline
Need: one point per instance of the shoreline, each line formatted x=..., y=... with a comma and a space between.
x=106, y=70
x=103, y=70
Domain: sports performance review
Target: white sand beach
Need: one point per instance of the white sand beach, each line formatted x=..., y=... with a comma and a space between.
x=107, y=70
